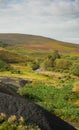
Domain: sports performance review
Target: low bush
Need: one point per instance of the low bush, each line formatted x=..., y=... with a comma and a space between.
x=4, y=66
x=35, y=65
x=13, y=123
x=63, y=64
x=76, y=87
x=75, y=69
x=60, y=101
x=15, y=71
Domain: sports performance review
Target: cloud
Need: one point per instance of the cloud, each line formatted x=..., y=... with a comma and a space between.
x=53, y=18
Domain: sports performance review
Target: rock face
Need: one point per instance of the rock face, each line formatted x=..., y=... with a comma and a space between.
x=13, y=82
x=9, y=85
x=11, y=104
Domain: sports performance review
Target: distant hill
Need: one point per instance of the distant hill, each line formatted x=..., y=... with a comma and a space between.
x=23, y=42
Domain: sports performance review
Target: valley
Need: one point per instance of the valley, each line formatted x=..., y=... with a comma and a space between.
x=43, y=71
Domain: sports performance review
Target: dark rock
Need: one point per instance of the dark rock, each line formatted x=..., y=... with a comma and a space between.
x=8, y=90
x=14, y=82
x=32, y=113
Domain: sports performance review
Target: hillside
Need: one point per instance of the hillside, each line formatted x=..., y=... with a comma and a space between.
x=39, y=78
x=23, y=43
x=11, y=104
x=11, y=57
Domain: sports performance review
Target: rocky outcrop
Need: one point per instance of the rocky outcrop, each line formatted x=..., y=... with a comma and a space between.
x=11, y=104
x=13, y=82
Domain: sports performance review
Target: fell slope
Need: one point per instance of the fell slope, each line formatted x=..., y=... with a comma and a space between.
x=36, y=43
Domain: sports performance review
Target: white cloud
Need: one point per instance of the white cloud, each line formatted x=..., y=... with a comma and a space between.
x=53, y=18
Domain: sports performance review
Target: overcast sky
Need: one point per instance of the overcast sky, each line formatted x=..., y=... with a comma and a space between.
x=57, y=19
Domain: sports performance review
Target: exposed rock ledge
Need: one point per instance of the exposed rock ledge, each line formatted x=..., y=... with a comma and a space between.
x=13, y=81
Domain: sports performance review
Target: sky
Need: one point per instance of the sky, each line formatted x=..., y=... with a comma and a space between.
x=57, y=19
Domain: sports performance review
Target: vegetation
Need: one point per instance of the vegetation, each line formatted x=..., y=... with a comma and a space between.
x=59, y=101
x=14, y=123
x=11, y=57
x=62, y=64
x=50, y=59
x=35, y=65
x=29, y=44
x=75, y=69
x=4, y=66
x=76, y=87
x=55, y=86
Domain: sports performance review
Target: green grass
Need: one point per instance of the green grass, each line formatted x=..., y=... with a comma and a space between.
x=49, y=78
x=59, y=101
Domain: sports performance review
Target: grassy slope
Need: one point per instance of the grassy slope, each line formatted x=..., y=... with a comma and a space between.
x=11, y=57
x=30, y=44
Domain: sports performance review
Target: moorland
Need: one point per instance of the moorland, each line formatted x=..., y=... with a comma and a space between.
x=51, y=68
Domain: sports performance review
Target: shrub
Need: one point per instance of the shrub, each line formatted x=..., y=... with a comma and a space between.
x=6, y=126
x=56, y=55
x=13, y=123
x=2, y=117
x=12, y=119
x=35, y=65
x=75, y=69
x=62, y=64
x=76, y=87
x=15, y=71
x=4, y=66
x=21, y=120
x=48, y=62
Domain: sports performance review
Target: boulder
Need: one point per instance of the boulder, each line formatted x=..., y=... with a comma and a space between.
x=11, y=104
